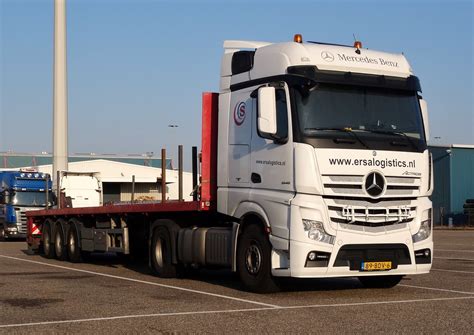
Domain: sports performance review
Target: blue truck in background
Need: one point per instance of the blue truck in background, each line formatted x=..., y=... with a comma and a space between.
x=21, y=191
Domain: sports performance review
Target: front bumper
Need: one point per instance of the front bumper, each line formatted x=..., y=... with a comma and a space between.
x=352, y=245
x=14, y=235
x=375, y=251
x=13, y=231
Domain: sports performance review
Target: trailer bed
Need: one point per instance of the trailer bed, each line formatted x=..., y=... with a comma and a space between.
x=118, y=209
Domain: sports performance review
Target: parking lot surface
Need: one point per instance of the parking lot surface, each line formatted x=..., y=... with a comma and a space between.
x=118, y=295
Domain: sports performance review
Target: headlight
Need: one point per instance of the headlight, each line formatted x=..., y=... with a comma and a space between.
x=425, y=229
x=316, y=232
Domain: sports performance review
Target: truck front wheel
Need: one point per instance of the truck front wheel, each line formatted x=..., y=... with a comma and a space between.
x=161, y=254
x=254, y=261
x=380, y=281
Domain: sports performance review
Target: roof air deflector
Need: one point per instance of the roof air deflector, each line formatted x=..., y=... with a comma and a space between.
x=233, y=45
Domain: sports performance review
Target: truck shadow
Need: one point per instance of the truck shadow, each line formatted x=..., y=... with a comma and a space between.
x=228, y=279
x=222, y=277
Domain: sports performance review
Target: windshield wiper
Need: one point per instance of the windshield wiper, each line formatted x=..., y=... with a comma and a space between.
x=345, y=130
x=394, y=133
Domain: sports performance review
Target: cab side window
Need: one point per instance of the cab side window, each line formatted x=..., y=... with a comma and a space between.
x=282, y=116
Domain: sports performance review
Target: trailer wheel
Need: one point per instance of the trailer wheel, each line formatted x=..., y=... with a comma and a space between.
x=59, y=245
x=48, y=250
x=72, y=245
x=380, y=281
x=254, y=262
x=160, y=254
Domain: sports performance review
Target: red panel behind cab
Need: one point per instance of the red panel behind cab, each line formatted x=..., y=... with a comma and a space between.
x=209, y=151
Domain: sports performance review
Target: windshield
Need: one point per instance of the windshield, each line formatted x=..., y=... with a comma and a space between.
x=373, y=114
x=33, y=199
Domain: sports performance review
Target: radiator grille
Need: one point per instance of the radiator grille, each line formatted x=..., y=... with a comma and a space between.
x=353, y=185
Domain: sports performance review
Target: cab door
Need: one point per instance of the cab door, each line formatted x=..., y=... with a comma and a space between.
x=271, y=168
x=240, y=134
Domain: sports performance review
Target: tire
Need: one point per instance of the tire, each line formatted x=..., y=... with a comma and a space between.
x=59, y=243
x=161, y=254
x=72, y=245
x=254, y=261
x=48, y=250
x=380, y=281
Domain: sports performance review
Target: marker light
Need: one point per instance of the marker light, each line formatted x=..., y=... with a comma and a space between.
x=298, y=38
x=358, y=44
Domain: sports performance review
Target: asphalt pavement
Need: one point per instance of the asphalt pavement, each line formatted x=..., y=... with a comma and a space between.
x=111, y=294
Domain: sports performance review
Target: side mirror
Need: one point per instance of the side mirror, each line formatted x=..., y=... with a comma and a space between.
x=267, y=110
x=424, y=114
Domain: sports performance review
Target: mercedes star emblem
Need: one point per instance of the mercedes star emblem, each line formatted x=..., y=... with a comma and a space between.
x=327, y=56
x=374, y=184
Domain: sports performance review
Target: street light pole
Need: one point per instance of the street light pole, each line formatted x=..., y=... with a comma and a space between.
x=60, y=124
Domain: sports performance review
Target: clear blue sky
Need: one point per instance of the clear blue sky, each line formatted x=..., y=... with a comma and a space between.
x=136, y=66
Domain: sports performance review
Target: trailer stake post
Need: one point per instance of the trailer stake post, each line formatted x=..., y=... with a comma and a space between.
x=180, y=172
x=195, y=172
x=133, y=189
x=163, y=175
x=58, y=190
x=47, y=191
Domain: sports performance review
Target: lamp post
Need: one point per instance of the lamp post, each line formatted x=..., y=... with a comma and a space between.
x=60, y=124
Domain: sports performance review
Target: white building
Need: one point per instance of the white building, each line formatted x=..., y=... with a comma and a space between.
x=117, y=177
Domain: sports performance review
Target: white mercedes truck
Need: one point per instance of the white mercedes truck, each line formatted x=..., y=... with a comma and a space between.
x=314, y=164
x=325, y=145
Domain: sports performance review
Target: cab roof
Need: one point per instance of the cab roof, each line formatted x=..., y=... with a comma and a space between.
x=270, y=59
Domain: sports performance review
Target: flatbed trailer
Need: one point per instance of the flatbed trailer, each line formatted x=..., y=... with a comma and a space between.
x=69, y=233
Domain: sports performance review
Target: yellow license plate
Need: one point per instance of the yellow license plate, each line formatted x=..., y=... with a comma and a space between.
x=375, y=266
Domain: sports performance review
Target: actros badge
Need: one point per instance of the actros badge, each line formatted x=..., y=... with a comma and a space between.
x=239, y=113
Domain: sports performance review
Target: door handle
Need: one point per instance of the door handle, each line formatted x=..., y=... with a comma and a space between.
x=255, y=178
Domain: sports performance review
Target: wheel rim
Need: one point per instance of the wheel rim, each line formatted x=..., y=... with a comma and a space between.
x=72, y=244
x=253, y=258
x=57, y=244
x=159, y=253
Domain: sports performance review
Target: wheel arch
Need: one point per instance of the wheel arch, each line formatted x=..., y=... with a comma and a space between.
x=252, y=213
x=248, y=213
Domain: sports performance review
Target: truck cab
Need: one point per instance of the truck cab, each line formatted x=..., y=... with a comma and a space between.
x=21, y=191
x=324, y=146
